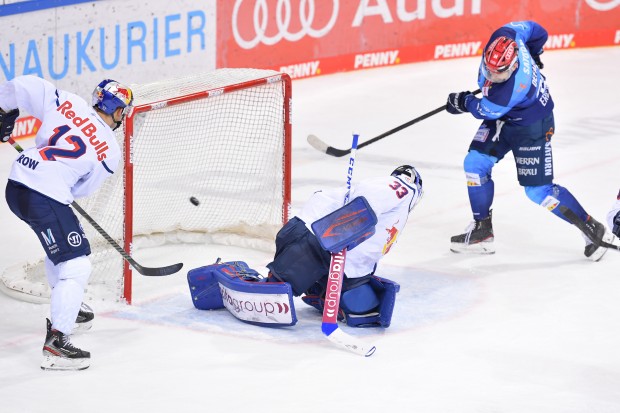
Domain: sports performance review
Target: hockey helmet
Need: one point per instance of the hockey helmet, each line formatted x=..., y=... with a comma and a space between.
x=500, y=59
x=412, y=177
x=110, y=95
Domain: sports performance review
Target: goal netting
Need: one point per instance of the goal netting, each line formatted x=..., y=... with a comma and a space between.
x=221, y=137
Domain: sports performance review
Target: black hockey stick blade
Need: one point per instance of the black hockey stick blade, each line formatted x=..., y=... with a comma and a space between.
x=155, y=271
x=321, y=146
x=579, y=223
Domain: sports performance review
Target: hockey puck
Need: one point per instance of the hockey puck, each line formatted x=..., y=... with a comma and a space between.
x=194, y=201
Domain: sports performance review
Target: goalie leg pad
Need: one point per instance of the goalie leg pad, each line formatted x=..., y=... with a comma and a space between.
x=359, y=300
x=346, y=227
x=204, y=288
x=367, y=305
x=381, y=315
x=245, y=294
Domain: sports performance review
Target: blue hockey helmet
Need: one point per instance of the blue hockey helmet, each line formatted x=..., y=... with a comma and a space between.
x=411, y=176
x=109, y=95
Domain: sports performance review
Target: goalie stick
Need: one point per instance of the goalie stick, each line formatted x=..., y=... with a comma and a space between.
x=335, y=278
x=579, y=223
x=148, y=271
x=318, y=144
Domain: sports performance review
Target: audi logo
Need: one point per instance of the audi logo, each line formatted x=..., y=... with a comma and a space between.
x=603, y=5
x=283, y=13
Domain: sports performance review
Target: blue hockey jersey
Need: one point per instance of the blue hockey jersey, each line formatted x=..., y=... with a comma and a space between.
x=524, y=98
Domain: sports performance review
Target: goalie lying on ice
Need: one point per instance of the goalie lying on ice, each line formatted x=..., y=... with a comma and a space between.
x=367, y=227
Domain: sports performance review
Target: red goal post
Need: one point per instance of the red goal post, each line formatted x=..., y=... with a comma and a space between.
x=222, y=137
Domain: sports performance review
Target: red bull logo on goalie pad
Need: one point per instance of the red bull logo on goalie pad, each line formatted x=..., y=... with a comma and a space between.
x=243, y=292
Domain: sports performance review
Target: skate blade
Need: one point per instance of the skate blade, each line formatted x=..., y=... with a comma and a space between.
x=484, y=248
x=82, y=327
x=598, y=254
x=600, y=251
x=62, y=363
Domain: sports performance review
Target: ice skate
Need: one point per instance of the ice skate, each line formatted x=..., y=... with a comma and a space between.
x=598, y=233
x=84, y=320
x=477, y=239
x=60, y=354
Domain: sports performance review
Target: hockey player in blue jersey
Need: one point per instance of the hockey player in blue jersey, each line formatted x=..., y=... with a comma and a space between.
x=75, y=152
x=516, y=110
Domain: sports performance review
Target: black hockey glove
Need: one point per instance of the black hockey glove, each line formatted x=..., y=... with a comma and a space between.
x=457, y=102
x=539, y=63
x=616, y=228
x=7, y=122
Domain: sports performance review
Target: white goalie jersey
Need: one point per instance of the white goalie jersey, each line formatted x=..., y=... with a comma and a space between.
x=391, y=199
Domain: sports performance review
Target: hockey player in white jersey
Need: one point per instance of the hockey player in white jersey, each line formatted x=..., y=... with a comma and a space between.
x=367, y=227
x=75, y=151
x=302, y=261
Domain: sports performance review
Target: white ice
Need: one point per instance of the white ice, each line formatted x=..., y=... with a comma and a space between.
x=533, y=328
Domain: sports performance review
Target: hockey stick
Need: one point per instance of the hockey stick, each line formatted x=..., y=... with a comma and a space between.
x=335, y=279
x=148, y=271
x=579, y=223
x=318, y=144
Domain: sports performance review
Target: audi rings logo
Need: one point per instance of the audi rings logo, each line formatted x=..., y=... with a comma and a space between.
x=603, y=5
x=283, y=14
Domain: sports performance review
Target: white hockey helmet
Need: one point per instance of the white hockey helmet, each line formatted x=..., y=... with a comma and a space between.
x=411, y=176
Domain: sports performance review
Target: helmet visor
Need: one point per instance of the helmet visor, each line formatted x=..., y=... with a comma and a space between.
x=496, y=76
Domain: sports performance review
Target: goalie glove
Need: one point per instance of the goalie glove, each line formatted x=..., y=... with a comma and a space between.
x=7, y=123
x=616, y=228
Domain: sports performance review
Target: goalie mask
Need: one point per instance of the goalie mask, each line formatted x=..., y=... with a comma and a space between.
x=412, y=177
x=109, y=95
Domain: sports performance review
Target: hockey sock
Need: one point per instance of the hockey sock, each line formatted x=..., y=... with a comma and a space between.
x=481, y=198
x=51, y=272
x=480, y=186
x=551, y=196
x=68, y=293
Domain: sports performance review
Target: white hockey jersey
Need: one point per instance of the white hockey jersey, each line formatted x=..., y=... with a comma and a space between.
x=389, y=197
x=75, y=150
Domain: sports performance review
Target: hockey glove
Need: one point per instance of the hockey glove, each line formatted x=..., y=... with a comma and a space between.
x=539, y=62
x=7, y=122
x=616, y=228
x=457, y=102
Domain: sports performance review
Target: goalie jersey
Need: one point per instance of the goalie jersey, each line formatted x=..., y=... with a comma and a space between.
x=75, y=150
x=391, y=198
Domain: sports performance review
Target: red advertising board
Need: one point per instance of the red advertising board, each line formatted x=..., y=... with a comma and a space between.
x=26, y=127
x=311, y=37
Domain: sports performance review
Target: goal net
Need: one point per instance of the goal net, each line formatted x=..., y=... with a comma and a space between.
x=220, y=138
